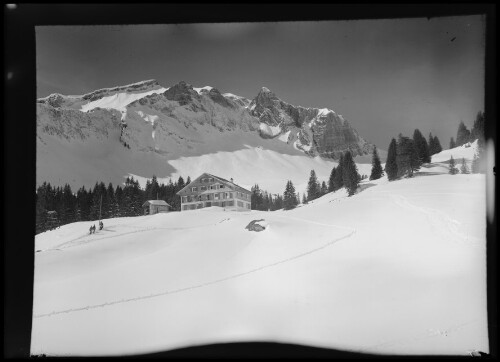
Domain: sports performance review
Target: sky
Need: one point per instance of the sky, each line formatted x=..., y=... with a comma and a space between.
x=386, y=76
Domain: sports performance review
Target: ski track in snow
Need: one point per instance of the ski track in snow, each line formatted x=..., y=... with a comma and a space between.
x=139, y=230
x=436, y=219
x=234, y=276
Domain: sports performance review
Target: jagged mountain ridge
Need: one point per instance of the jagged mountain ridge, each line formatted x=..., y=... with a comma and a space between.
x=131, y=127
x=311, y=130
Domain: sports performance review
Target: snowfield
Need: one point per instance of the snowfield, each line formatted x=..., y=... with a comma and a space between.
x=399, y=268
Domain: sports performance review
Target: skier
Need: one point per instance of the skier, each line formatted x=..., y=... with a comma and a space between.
x=93, y=229
x=90, y=230
x=101, y=225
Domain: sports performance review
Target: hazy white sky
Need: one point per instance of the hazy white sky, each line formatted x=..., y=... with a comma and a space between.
x=385, y=76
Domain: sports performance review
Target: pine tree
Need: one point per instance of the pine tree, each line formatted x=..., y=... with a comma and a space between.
x=432, y=145
x=313, y=188
x=391, y=167
x=437, y=145
x=477, y=131
x=464, y=168
x=452, y=143
x=331, y=180
x=338, y=181
x=377, y=171
x=289, y=196
x=304, y=199
x=453, y=170
x=421, y=146
x=463, y=135
x=188, y=180
x=350, y=175
x=324, y=188
x=257, y=199
x=407, y=159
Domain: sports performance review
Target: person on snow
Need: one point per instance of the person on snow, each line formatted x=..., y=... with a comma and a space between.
x=101, y=225
x=90, y=230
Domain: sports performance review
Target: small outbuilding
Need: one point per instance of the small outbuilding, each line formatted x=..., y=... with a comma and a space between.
x=152, y=207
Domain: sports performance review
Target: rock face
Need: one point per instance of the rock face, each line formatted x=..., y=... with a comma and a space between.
x=139, y=127
x=253, y=226
x=315, y=131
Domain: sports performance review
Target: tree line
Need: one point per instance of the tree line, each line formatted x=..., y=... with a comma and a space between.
x=56, y=206
x=405, y=156
x=464, y=135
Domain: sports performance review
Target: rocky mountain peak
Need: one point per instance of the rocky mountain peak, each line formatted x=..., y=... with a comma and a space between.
x=181, y=92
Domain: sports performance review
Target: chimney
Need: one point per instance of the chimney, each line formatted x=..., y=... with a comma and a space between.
x=232, y=180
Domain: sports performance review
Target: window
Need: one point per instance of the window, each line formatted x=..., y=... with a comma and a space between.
x=185, y=207
x=193, y=206
x=230, y=203
x=223, y=204
x=193, y=189
x=211, y=179
x=221, y=186
x=212, y=187
x=184, y=199
x=216, y=196
x=240, y=203
x=231, y=195
x=248, y=206
x=203, y=188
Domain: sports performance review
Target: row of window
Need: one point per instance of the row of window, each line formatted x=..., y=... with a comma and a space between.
x=214, y=196
x=215, y=203
x=206, y=197
x=204, y=188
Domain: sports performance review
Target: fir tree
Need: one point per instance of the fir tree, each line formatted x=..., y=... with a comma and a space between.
x=421, y=147
x=313, y=188
x=377, y=171
x=350, y=175
x=188, y=180
x=477, y=131
x=391, y=167
x=304, y=199
x=338, y=181
x=324, y=188
x=407, y=159
x=452, y=143
x=432, y=146
x=453, y=170
x=463, y=135
x=437, y=145
x=289, y=196
x=331, y=180
x=464, y=168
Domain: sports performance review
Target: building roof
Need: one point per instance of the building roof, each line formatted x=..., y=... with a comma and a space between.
x=155, y=202
x=237, y=187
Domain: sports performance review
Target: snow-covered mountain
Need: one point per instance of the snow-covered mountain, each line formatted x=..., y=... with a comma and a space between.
x=143, y=128
x=315, y=131
x=398, y=268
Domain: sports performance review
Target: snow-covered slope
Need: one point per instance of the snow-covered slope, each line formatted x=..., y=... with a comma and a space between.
x=269, y=169
x=397, y=268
